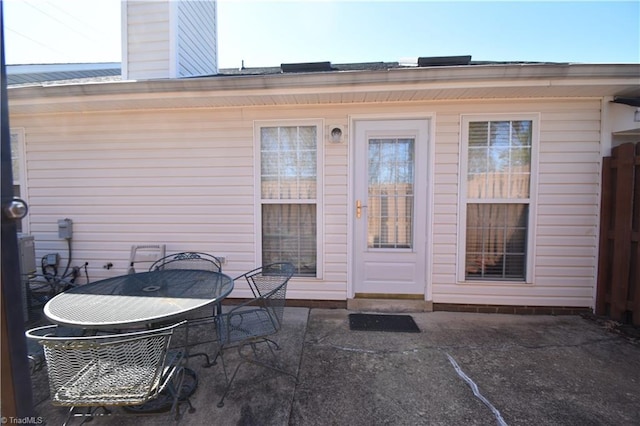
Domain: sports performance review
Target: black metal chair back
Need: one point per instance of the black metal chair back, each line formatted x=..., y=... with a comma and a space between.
x=188, y=260
x=269, y=287
x=252, y=322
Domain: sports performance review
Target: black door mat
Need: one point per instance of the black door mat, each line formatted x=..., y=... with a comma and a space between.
x=376, y=322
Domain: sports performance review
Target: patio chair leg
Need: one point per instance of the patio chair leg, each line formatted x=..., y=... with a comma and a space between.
x=275, y=367
x=87, y=414
x=192, y=409
x=229, y=382
x=207, y=364
x=174, y=390
x=215, y=359
x=69, y=415
x=269, y=341
x=273, y=354
x=254, y=360
x=224, y=367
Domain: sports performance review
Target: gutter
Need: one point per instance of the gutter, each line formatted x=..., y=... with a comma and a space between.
x=419, y=84
x=457, y=76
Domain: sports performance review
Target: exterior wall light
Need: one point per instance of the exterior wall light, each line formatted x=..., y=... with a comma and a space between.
x=336, y=133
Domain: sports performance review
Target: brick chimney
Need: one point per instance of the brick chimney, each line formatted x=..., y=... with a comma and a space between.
x=169, y=39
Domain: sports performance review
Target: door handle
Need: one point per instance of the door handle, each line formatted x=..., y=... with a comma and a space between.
x=16, y=209
x=359, y=209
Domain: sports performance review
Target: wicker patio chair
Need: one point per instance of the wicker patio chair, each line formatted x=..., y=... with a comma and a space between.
x=92, y=374
x=39, y=289
x=188, y=260
x=255, y=321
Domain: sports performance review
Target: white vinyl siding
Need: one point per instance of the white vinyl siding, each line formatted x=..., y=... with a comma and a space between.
x=186, y=178
x=196, y=39
x=147, y=179
x=566, y=221
x=169, y=39
x=146, y=49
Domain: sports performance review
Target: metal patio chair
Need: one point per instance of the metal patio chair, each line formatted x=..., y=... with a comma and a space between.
x=192, y=260
x=145, y=254
x=188, y=260
x=255, y=321
x=92, y=374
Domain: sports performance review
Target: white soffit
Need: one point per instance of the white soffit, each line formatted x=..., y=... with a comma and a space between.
x=415, y=84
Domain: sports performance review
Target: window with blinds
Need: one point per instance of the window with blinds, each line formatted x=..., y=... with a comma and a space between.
x=289, y=193
x=498, y=199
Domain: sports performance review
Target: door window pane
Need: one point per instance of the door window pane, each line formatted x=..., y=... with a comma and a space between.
x=391, y=193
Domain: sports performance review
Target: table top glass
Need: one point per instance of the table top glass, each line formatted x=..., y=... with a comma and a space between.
x=138, y=299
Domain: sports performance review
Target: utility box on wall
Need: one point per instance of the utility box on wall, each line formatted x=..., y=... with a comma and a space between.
x=27, y=254
x=65, y=228
x=27, y=259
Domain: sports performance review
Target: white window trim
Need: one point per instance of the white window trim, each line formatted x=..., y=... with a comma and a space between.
x=465, y=119
x=319, y=123
x=18, y=133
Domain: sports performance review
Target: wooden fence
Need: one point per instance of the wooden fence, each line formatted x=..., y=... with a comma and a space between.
x=618, y=295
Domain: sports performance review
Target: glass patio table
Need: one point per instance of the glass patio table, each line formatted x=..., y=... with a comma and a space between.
x=139, y=299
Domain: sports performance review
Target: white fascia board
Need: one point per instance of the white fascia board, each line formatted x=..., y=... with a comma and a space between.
x=207, y=87
x=236, y=88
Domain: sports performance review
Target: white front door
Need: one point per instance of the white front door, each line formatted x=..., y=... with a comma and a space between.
x=390, y=194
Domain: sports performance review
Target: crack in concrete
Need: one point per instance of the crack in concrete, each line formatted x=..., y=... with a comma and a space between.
x=476, y=391
x=501, y=347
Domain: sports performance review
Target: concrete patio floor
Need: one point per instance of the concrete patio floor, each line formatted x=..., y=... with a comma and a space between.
x=529, y=370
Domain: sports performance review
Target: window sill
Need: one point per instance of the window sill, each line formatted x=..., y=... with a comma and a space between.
x=495, y=283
